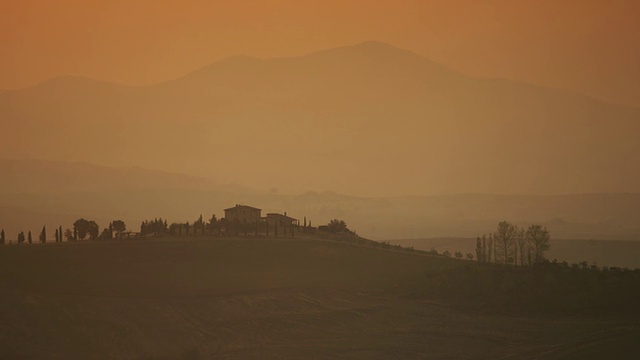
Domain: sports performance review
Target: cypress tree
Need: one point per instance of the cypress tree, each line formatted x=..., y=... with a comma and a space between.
x=2, y=240
x=30, y=238
x=43, y=235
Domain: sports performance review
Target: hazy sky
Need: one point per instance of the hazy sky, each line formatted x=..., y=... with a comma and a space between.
x=589, y=46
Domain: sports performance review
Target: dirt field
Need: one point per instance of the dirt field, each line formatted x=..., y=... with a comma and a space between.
x=263, y=299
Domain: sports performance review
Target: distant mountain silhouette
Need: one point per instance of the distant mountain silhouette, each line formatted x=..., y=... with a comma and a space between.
x=50, y=177
x=363, y=119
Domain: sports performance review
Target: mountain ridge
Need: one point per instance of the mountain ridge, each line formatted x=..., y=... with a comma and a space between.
x=239, y=58
x=397, y=114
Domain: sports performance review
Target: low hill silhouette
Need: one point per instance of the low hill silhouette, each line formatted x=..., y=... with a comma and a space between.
x=36, y=193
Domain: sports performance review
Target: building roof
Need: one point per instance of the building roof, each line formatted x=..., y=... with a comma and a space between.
x=281, y=216
x=245, y=207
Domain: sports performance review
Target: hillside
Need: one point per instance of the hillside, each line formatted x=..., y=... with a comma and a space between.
x=363, y=119
x=36, y=193
x=248, y=298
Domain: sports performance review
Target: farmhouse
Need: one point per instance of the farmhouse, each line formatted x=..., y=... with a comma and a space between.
x=280, y=219
x=243, y=214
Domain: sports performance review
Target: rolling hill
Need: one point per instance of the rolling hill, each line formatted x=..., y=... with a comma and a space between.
x=34, y=193
x=266, y=298
x=368, y=119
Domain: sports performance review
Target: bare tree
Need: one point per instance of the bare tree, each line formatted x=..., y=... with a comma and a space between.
x=504, y=240
x=491, y=248
x=521, y=242
x=538, y=237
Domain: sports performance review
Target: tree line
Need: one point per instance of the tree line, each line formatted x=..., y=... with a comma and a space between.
x=83, y=229
x=510, y=244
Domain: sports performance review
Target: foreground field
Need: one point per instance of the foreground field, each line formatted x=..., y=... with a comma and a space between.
x=265, y=298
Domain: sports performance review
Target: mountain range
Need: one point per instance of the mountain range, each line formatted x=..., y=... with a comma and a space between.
x=368, y=119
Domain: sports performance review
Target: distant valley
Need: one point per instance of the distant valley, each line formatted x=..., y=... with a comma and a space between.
x=35, y=193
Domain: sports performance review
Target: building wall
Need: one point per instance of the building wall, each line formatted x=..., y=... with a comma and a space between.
x=242, y=214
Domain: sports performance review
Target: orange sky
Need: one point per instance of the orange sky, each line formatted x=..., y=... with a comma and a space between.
x=590, y=46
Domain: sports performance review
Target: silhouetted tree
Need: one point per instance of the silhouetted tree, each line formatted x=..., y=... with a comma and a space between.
x=337, y=226
x=479, y=249
x=490, y=249
x=70, y=236
x=197, y=225
x=119, y=227
x=157, y=227
x=484, y=248
x=94, y=230
x=2, y=238
x=504, y=239
x=43, y=235
x=21, y=237
x=538, y=237
x=60, y=233
x=521, y=243
x=175, y=229
x=105, y=235
x=470, y=256
x=30, y=239
x=212, y=224
x=446, y=253
x=82, y=228
x=458, y=255
x=223, y=224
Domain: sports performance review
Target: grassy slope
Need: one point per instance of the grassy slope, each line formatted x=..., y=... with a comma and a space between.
x=253, y=298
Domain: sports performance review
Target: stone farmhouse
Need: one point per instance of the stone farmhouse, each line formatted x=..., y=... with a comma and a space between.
x=243, y=214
